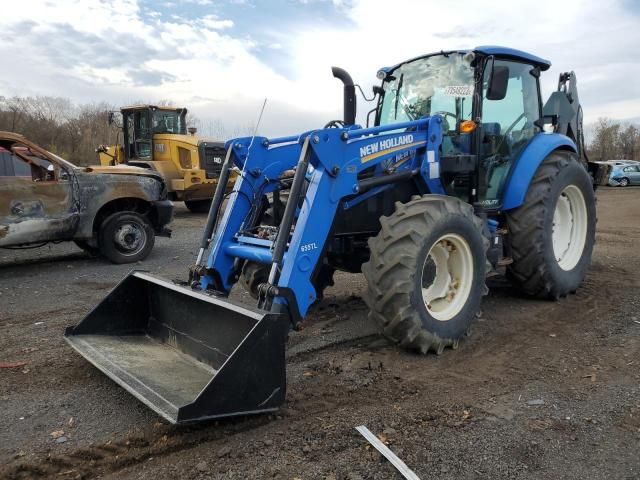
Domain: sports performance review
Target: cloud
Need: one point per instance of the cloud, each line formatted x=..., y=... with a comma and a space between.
x=214, y=23
x=221, y=58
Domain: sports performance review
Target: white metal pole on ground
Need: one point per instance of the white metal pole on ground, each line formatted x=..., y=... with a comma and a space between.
x=384, y=450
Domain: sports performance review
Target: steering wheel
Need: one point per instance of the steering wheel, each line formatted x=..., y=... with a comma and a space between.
x=508, y=131
x=446, y=123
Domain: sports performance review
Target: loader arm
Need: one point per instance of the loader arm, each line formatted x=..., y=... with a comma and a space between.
x=331, y=161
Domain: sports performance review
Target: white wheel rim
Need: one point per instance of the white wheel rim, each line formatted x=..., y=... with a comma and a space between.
x=569, y=227
x=447, y=277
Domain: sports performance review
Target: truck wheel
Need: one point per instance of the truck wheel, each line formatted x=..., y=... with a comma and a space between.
x=253, y=274
x=126, y=237
x=198, y=206
x=426, y=273
x=551, y=235
x=84, y=245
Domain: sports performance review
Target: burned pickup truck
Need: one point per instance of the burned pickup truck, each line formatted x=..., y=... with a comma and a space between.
x=112, y=211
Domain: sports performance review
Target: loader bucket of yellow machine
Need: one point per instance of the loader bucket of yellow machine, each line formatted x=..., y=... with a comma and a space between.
x=187, y=355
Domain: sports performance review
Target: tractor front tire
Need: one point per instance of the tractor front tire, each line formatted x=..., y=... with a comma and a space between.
x=551, y=236
x=426, y=273
x=253, y=274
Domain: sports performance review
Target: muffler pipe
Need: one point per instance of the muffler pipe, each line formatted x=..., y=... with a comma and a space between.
x=349, y=94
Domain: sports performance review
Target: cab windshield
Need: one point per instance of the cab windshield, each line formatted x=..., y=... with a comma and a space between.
x=439, y=84
x=168, y=121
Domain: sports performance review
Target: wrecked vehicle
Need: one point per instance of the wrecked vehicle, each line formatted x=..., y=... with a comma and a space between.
x=112, y=211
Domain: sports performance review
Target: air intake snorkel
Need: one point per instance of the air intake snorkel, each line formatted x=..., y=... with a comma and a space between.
x=349, y=95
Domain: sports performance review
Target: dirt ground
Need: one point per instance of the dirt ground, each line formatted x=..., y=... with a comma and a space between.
x=540, y=390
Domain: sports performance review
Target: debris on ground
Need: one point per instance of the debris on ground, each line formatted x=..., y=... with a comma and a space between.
x=389, y=455
x=12, y=364
x=224, y=451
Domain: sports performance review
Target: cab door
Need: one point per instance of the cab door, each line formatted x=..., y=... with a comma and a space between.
x=508, y=124
x=36, y=199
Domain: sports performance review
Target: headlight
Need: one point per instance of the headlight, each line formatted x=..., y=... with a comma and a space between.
x=381, y=74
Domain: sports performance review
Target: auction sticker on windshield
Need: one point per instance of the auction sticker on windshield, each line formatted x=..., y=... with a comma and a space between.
x=458, y=90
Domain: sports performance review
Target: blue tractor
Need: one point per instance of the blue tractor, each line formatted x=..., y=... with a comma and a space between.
x=463, y=174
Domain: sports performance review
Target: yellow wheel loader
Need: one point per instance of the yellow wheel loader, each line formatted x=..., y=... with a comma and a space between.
x=156, y=138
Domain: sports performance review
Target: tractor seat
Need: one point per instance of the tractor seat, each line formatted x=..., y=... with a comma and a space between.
x=491, y=129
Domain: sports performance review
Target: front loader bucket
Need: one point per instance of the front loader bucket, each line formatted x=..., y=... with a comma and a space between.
x=187, y=355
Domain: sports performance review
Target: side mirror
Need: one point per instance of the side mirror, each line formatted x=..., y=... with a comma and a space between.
x=498, y=82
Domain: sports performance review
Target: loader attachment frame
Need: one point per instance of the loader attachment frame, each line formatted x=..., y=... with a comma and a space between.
x=331, y=162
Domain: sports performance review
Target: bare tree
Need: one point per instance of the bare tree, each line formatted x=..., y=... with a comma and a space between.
x=628, y=142
x=71, y=131
x=604, y=144
x=614, y=141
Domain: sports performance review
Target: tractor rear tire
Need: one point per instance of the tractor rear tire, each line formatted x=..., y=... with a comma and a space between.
x=426, y=273
x=198, y=206
x=551, y=236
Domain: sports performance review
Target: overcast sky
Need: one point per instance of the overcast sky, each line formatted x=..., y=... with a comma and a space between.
x=221, y=58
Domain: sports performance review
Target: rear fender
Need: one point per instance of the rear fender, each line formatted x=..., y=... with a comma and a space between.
x=526, y=165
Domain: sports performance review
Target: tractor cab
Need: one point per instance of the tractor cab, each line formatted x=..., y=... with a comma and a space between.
x=489, y=102
x=140, y=123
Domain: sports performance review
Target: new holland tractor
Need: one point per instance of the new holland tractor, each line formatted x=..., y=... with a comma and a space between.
x=463, y=174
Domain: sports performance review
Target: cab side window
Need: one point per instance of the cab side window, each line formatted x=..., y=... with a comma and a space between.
x=513, y=116
x=507, y=126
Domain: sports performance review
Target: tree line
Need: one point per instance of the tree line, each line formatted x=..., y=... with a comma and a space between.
x=68, y=130
x=613, y=140
x=73, y=131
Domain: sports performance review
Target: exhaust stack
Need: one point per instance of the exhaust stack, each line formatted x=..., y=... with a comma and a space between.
x=349, y=94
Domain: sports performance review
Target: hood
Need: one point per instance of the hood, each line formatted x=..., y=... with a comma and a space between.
x=121, y=170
